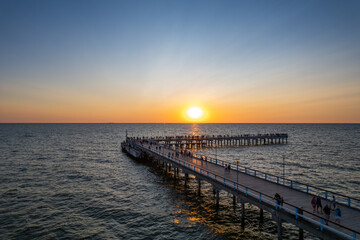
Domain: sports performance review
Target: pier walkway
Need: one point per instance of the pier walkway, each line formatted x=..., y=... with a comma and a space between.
x=258, y=188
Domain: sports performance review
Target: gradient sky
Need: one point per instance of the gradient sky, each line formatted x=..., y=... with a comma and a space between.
x=148, y=61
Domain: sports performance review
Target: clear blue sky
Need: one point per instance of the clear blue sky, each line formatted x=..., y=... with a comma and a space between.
x=98, y=57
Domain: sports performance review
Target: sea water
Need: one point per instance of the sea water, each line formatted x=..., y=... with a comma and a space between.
x=72, y=181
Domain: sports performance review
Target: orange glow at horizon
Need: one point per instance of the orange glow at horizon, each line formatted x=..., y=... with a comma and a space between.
x=48, y=105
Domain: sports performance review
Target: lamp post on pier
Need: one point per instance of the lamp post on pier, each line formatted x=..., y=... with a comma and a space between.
x=284, y=156
x=216, y=152
x=237, y=174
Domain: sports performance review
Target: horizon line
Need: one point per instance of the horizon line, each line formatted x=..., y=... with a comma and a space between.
x=179, y=123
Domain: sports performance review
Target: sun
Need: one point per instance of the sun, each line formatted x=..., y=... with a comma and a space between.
x=195, y=112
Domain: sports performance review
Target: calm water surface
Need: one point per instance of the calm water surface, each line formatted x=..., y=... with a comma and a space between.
x=71, y=181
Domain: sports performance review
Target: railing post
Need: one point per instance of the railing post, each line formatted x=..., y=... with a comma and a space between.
x=255, y=173
x=307, y=188
x=265, y=176
x=322, y=224
x=326, y=194
x=259, y=197
x=354, y=235
x=215, y=178
x=349, y=201
x=246, y=191
x=291, y=184
x=277, y=179
x=224, y=182
x=297, y=212
x=234, y=186
x=245, y=170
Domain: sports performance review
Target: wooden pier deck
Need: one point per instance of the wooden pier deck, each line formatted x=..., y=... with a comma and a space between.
x=258, y=188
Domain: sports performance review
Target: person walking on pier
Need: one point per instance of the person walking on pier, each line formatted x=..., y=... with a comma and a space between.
x=327, y=210
x=279, y=200
x=337, y=214
x=318, y=205
x=313, y=203
x=333, y=203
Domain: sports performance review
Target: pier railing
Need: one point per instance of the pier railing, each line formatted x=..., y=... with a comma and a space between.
x=261, y=197
x=325, y=194
x=214, y=137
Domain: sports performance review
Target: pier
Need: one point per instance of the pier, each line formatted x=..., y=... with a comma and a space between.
x=248, y=185
x=221, y=140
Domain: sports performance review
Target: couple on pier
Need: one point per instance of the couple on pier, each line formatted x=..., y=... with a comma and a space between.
x=227, y=166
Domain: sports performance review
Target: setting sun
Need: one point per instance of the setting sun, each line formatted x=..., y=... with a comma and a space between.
x=195, y=112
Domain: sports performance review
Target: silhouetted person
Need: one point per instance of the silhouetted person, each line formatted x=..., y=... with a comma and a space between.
x=279, y=200
x=333, y=203
x=327, y=211
x=318, y=205
x=337, y=214
x=313, y=203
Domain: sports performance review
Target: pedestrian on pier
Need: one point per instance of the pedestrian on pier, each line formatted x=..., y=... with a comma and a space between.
x=327, y=210
x=279, y=200
x=318, y=205
x=333, y=203
x=337, y=214
x=313, y=203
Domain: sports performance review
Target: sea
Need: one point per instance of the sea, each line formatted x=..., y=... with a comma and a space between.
x=72, y=181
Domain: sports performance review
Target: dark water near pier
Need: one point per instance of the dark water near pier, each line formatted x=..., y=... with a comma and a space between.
x=71, y=181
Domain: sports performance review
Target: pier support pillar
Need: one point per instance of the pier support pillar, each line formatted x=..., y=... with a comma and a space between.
x=242, y=215
x=261, y=215
x=301, y=231
x=186, y=179
x=234, y=200
x=279, y=228
x=217, y=199
x=199, y=186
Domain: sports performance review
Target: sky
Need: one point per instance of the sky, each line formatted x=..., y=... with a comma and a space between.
x=148, y=61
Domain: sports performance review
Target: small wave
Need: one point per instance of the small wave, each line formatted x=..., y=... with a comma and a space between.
x=10, y=193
